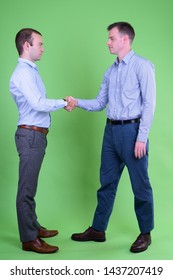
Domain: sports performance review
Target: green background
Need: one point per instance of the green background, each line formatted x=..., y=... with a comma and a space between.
x=74, y=61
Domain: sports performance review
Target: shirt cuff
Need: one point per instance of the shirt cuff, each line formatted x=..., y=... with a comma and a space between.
x=65, y=103
x=142, y=137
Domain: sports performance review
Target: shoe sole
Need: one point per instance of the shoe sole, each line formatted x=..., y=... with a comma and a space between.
x=30, y=250
x=41, y=236
x=85, y=240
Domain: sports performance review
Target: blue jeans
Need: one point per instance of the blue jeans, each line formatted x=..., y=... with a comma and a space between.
x=31, y=147
x=118, y=152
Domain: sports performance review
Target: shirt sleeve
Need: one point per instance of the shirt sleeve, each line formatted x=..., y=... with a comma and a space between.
x=25, y=83
x=148, y=99
x=99, y=103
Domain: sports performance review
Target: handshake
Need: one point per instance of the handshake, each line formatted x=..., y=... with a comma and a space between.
x=71, y=103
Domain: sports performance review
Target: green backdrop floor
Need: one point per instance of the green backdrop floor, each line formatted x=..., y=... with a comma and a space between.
x=116, y=247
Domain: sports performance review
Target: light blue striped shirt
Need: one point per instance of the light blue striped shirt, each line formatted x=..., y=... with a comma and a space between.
x=28, y=91
x=129, y=91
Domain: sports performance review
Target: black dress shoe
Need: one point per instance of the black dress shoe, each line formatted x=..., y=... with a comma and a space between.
x=45, y=233
x=39, y=246
x=141, y=243
x=89, y=235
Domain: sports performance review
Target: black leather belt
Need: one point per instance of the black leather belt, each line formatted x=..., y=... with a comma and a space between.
x=116, y=122
x=36, y=128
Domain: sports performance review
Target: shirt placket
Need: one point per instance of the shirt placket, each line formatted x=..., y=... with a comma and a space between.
x=118, y=91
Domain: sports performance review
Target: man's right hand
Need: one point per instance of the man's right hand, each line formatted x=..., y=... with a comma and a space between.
x=71, y=103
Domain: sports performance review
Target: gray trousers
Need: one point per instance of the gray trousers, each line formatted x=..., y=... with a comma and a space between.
x=31, y=146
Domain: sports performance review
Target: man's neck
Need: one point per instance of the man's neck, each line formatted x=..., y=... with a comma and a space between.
x=123, y=54
x=24, y=56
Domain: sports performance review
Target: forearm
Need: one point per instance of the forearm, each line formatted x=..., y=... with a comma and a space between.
x=92, y=105
x=47, y=105
x=146, y=122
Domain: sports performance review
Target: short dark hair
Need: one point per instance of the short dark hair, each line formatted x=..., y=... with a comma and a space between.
x=124, y=28
x=24, y=35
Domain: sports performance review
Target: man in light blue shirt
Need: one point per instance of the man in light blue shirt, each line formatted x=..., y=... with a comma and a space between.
x=28, y=91
x=128, y=91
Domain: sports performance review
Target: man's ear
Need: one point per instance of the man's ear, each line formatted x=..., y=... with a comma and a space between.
x=26, y=46
x=126, y=38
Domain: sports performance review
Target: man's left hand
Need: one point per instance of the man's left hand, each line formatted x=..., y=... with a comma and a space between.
x=140, y=149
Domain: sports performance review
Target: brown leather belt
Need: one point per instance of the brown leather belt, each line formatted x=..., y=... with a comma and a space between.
x=36, y=128
x=116, y=122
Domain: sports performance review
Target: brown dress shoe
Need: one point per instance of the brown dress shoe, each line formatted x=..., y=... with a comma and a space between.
x=89, y=235
x=44, y=233
x=141, y=243
x=39, y=246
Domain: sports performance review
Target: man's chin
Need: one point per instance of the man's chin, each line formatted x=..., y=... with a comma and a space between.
x=111, y=51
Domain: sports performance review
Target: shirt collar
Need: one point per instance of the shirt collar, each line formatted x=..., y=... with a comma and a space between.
x=32, y=64
x=126, y=58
